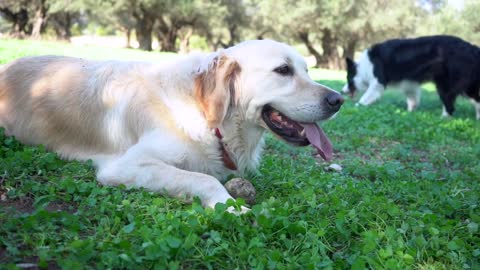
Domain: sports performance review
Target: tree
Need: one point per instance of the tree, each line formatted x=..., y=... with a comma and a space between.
x=330, y=30
x=31, y=18
x=40, y=18
x=137, y=14
x=221, y=22
x=112, y=13
x=61, y=15
x=17, y=13
x=235, y=19
x=470, y=15
x=448, y=20
x=144, y=14
x=177, y=15
x=305, y=21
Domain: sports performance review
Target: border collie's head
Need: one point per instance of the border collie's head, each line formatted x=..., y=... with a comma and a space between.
x=350, y=87
x=359, y=74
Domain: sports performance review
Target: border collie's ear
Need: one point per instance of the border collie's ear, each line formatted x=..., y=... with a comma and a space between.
x=213, y=87
x=350, y=63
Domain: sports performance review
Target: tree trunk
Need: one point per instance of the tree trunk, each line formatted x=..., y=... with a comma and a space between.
x=168, y=40
x=185, y=41
x=232, y=30
x=128, y=34
x=39, y=20
x=214, y=43
x=262, y=34
x=334, y=62
x=304, y=38
x=22, y=22
x=349, y=49
x=63, y=23
x=18, y=19
x=330, y=57
x=167, y=33
x=143, y=29
x=144, y=35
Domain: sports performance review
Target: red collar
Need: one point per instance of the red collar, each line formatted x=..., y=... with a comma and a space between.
x=227, y=160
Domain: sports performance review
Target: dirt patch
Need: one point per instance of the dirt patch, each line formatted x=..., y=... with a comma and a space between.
x=30, y=263
x=22, y=205
x=3, y=254
x=26, y=205
x=60, y=206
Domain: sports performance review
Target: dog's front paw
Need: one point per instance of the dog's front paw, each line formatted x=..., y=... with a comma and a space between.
x=445, y=115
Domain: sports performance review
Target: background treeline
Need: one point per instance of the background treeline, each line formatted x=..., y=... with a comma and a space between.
x=328, y=29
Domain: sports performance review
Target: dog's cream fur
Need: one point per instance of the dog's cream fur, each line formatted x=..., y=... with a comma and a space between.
x=152, y=125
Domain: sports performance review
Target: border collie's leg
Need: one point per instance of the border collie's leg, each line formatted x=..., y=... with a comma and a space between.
x=473, y=92
x=448, y=98
x=448, y=103
x=445, y=114
x=413, y=97
x=477, y=108
x=476, y=105
x=373, y=93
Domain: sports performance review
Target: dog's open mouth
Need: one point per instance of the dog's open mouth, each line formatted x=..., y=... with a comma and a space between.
x=299, y=134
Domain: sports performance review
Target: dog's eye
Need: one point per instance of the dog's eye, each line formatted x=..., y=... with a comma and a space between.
x=284, y=70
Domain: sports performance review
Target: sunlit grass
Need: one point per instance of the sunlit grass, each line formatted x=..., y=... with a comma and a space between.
x=12, y=49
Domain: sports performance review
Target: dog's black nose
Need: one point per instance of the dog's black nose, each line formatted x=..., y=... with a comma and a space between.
x=334, y=100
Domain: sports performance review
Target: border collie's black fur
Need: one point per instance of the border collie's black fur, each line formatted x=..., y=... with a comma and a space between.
x=450, y=62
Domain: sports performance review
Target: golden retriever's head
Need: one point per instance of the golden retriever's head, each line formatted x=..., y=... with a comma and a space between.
x=268, y=83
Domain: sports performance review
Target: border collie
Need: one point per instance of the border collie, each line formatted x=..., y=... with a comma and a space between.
x=451, y=63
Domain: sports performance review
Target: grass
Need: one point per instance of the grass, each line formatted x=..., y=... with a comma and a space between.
x=407, y=198
x=13, y=49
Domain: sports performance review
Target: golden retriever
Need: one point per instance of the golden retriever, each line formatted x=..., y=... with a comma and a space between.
x=173, y=127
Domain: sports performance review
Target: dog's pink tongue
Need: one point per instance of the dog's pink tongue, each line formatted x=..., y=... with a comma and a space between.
x=319, y=140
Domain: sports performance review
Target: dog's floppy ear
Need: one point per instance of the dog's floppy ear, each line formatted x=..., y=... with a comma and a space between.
x=350, y=63
x=214, y=88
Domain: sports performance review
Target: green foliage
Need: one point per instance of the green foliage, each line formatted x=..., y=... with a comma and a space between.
x=407, y=198
x=472, y=21
x=332, y=30
x=329, y=29
x=198, y=43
